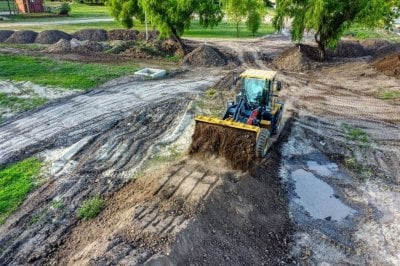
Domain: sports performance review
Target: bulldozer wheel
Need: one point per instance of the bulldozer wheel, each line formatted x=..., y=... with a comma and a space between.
x=277, y=126
x=263, y=143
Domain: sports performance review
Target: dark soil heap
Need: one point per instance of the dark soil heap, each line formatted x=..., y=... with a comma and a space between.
x=51, y=36
x=298, y=58
x=152, y=35
x=22, y=37
x=388, y=49
x=4, y=34
x=237, y=146
x=204, y=56
x=94, y=35
x=389, y=65
x=373, y=45
x=348, y=49
x=62, y=46
x=122, y=35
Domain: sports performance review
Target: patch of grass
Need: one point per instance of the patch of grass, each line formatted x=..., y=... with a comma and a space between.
x=362, y=33
x=16, y=181
x=172, y=58
x=17, y=104
x=90, y=208
x=363, y=173
x=355, y=134
x=64, y=74
x=389, y=95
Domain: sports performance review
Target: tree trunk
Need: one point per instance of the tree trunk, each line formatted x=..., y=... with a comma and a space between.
x=237, y=29
x=179, y=41
x=321, y=46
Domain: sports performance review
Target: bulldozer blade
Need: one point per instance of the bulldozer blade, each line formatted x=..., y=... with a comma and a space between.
x=233, y=141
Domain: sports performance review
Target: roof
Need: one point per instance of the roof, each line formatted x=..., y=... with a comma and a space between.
x=259, y=74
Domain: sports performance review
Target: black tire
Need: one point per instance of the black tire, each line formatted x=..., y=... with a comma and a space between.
x=278, y=123
x=263, y=143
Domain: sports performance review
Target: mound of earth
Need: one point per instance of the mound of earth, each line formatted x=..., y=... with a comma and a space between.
x=122, y=35
x=4, y=34
x=152, y=35
x=204, y=56
x=389, y=65
x=372, y=45
x=391, y=48
x=62, y=46
x=348, y=50
x=298, y=58
x=51, y=36
x=94, y=35
x=85, y=47
x=22, y=37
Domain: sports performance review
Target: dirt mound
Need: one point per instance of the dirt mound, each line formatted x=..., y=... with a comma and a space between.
x=51, y=36
x=152, y=35
x=390, y=48
x=372, y=45
x=122, y=35
x=389, y=65
x=205, y=56
x=85, y=47
x=22, y=37
x=4, y=34
x=298, y=58
x=236, y=146
x=62, y=46
x=94, y=35
x=348, y=50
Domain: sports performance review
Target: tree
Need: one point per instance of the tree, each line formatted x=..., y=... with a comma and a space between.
x=173, y=17
x=124, y=11
x=250, y=10
x=328, y=19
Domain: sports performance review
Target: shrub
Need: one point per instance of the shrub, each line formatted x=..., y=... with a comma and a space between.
x=90, y=208
x=65, y=8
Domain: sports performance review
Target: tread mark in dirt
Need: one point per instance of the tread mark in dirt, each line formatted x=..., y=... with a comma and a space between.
x=167, y=179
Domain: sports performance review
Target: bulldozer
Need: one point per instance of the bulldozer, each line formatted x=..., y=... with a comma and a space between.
x=254, y=118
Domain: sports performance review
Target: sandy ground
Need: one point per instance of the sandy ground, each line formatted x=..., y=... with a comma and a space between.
x=202, y=212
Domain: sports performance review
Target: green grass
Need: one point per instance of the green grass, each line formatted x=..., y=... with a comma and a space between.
x=356, y=135
x=363, y=33
x=16, y=181
x=18, y=104
x=389, y=95
x=64, y=74
x=90, y=208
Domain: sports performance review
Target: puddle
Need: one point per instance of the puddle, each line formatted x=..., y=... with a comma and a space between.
x=318, y=197
x=322, y=169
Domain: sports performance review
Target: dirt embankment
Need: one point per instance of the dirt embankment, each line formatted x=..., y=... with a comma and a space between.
x=298, y=58
x=389, y=64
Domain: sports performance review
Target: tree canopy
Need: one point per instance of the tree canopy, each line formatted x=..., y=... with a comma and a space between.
x=328, y=19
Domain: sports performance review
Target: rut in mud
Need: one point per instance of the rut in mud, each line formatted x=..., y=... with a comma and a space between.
x=237, y=146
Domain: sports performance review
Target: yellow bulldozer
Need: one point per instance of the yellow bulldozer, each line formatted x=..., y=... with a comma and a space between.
x=249, y=123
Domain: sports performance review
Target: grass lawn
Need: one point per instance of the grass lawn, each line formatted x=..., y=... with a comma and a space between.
x=16, y=181
x=18, y=104
x=64, y=74
x=362, y=33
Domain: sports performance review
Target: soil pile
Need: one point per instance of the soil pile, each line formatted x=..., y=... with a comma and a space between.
x=391, y=48
x=122, y=35
x=4, y=34
x=169, y=46
x=389, y=65
x=94, y=35
x=236, y=145
x=51, y=36
x=298, y=58
x=372, y=45
x=348, y=50
x=204, y=56
x=22, y=37
x=152, y=35
x=62, y=46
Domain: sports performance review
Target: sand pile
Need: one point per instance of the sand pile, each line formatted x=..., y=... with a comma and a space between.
x=298, y=58
x=4, y=34
x=236, y=145
x=51, y=36
x=204, y=56
x=122, y=35
x=348, y=50
x=94, y=35
x=389, y=64
x=22, y=37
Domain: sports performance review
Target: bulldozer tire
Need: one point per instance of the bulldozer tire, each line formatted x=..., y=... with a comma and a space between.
x=277, y=126
x=263, y=143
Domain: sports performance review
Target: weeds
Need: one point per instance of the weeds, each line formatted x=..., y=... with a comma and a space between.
x=16, y=181
x=389, y=95
x=17, y=104
x=90, y=208
x=356, y=135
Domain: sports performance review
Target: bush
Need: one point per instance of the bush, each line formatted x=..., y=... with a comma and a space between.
x=65, y=8
x=90, y=208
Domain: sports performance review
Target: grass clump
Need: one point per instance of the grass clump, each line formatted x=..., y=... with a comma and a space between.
x=17, y=104
x=16, y=181
x=64, y=74
x=90, y=208
x=389, y=95
x=355, y=134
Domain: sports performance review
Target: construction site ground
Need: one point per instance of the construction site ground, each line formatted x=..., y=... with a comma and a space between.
x=323, y=195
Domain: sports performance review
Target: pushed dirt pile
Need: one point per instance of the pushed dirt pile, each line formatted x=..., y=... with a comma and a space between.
x=298, y=58
x=388, y=49
x=372, y=45
x=22, y=37
x=389, y=65
x=76, y=46
x=204, y=56
x=237, y=146
x=62, y=46
x=122, y=35
x=4, y=34
x=94, y=35
x=51, y=36
x=348, y=50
